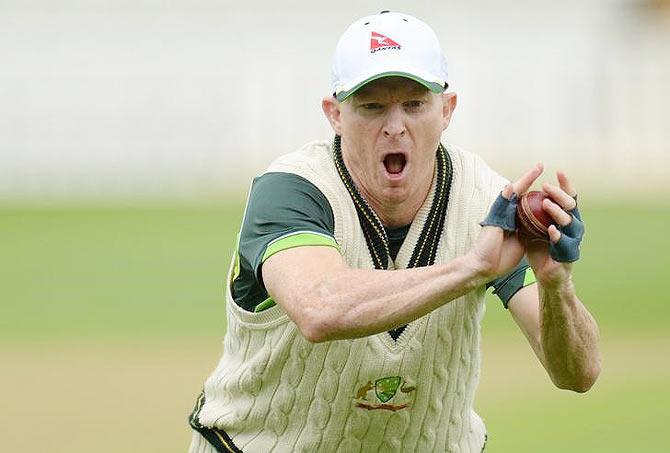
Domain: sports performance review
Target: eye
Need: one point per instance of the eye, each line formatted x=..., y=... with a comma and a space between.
x=372, y=106
x=413, y=105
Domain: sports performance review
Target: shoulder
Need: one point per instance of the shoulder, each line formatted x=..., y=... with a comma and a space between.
x=472, y=170
x=278, y=185
x=314, y=162
x=464, y=160
x=277, y=198
x=311, y=156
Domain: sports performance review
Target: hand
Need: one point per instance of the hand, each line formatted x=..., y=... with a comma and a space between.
x=552, y=265
x=497, y=251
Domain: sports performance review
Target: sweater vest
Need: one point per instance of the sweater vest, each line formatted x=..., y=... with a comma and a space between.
x=275, y=391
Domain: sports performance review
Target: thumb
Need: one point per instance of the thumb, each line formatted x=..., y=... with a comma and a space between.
x=508, y=191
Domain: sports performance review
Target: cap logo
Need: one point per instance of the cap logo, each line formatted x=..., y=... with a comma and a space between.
x=380, y=42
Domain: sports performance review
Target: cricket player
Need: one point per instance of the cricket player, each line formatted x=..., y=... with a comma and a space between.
x=356, y=292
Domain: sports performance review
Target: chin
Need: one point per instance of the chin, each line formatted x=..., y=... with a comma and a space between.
x=396, y=193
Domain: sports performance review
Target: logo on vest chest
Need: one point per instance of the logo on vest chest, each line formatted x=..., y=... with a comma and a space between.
x=391, y=393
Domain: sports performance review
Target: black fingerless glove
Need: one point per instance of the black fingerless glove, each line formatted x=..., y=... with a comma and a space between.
x=566, y=250
x=502, y=213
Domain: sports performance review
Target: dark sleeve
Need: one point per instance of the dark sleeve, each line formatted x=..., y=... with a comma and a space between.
x=507, y=286
x=284, y=210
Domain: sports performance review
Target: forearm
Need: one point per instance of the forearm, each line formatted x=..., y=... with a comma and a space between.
x=568, y=338
x=352, y=303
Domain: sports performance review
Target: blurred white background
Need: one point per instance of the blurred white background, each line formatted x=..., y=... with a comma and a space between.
x=133, y=100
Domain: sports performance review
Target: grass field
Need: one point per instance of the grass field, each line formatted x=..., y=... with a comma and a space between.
x=111, y=318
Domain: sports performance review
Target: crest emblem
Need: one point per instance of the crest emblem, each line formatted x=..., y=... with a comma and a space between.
x=385, y=392
x=386, y=388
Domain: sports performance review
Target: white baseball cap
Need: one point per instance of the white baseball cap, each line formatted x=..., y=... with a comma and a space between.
x=388, y=44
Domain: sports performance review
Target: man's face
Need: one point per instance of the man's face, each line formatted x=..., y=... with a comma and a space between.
x=390, y=130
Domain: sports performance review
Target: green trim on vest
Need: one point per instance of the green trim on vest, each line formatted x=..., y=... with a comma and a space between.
x=529, y=278
x=236, y=266
x=298, y=239
x=267, y=303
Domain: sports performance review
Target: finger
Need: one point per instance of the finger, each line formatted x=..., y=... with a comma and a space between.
x=565, y=184
x=559, y=215
x=554, y=234
x=507, y=191
x=522, y=184
x=559, y=196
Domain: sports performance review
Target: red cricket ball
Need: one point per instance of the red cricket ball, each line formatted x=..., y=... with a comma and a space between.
x=531, y=219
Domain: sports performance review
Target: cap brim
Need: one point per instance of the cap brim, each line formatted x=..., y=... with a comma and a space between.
x=435, y=87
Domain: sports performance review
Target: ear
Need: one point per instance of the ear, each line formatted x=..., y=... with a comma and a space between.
x=449, y=101
x=331, y=108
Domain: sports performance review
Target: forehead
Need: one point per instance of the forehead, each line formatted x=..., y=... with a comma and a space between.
x=394, y=86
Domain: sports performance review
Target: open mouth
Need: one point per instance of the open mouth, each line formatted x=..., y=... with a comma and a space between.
x=395, y=163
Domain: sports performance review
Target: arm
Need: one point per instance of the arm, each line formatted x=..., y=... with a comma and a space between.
x=558, y=326
x=328, y=300
x=562, y=333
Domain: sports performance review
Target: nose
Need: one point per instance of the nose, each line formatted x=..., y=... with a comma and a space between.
x=394, y=123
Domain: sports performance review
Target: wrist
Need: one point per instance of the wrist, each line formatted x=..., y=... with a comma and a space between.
x=558, y=286
x=477, y=270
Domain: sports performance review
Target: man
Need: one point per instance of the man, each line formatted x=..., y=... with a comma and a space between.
x=355, y=298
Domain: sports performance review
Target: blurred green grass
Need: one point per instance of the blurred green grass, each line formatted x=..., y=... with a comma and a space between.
x=114, y=271
x=118, y=271
x=151, y=278
x=631, y=421
x=624, y=412
x=623, y=269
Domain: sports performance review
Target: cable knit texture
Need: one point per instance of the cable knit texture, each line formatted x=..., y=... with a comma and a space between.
x=275, y=391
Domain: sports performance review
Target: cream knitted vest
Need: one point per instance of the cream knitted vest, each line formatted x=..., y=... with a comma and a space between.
x=275, y=391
